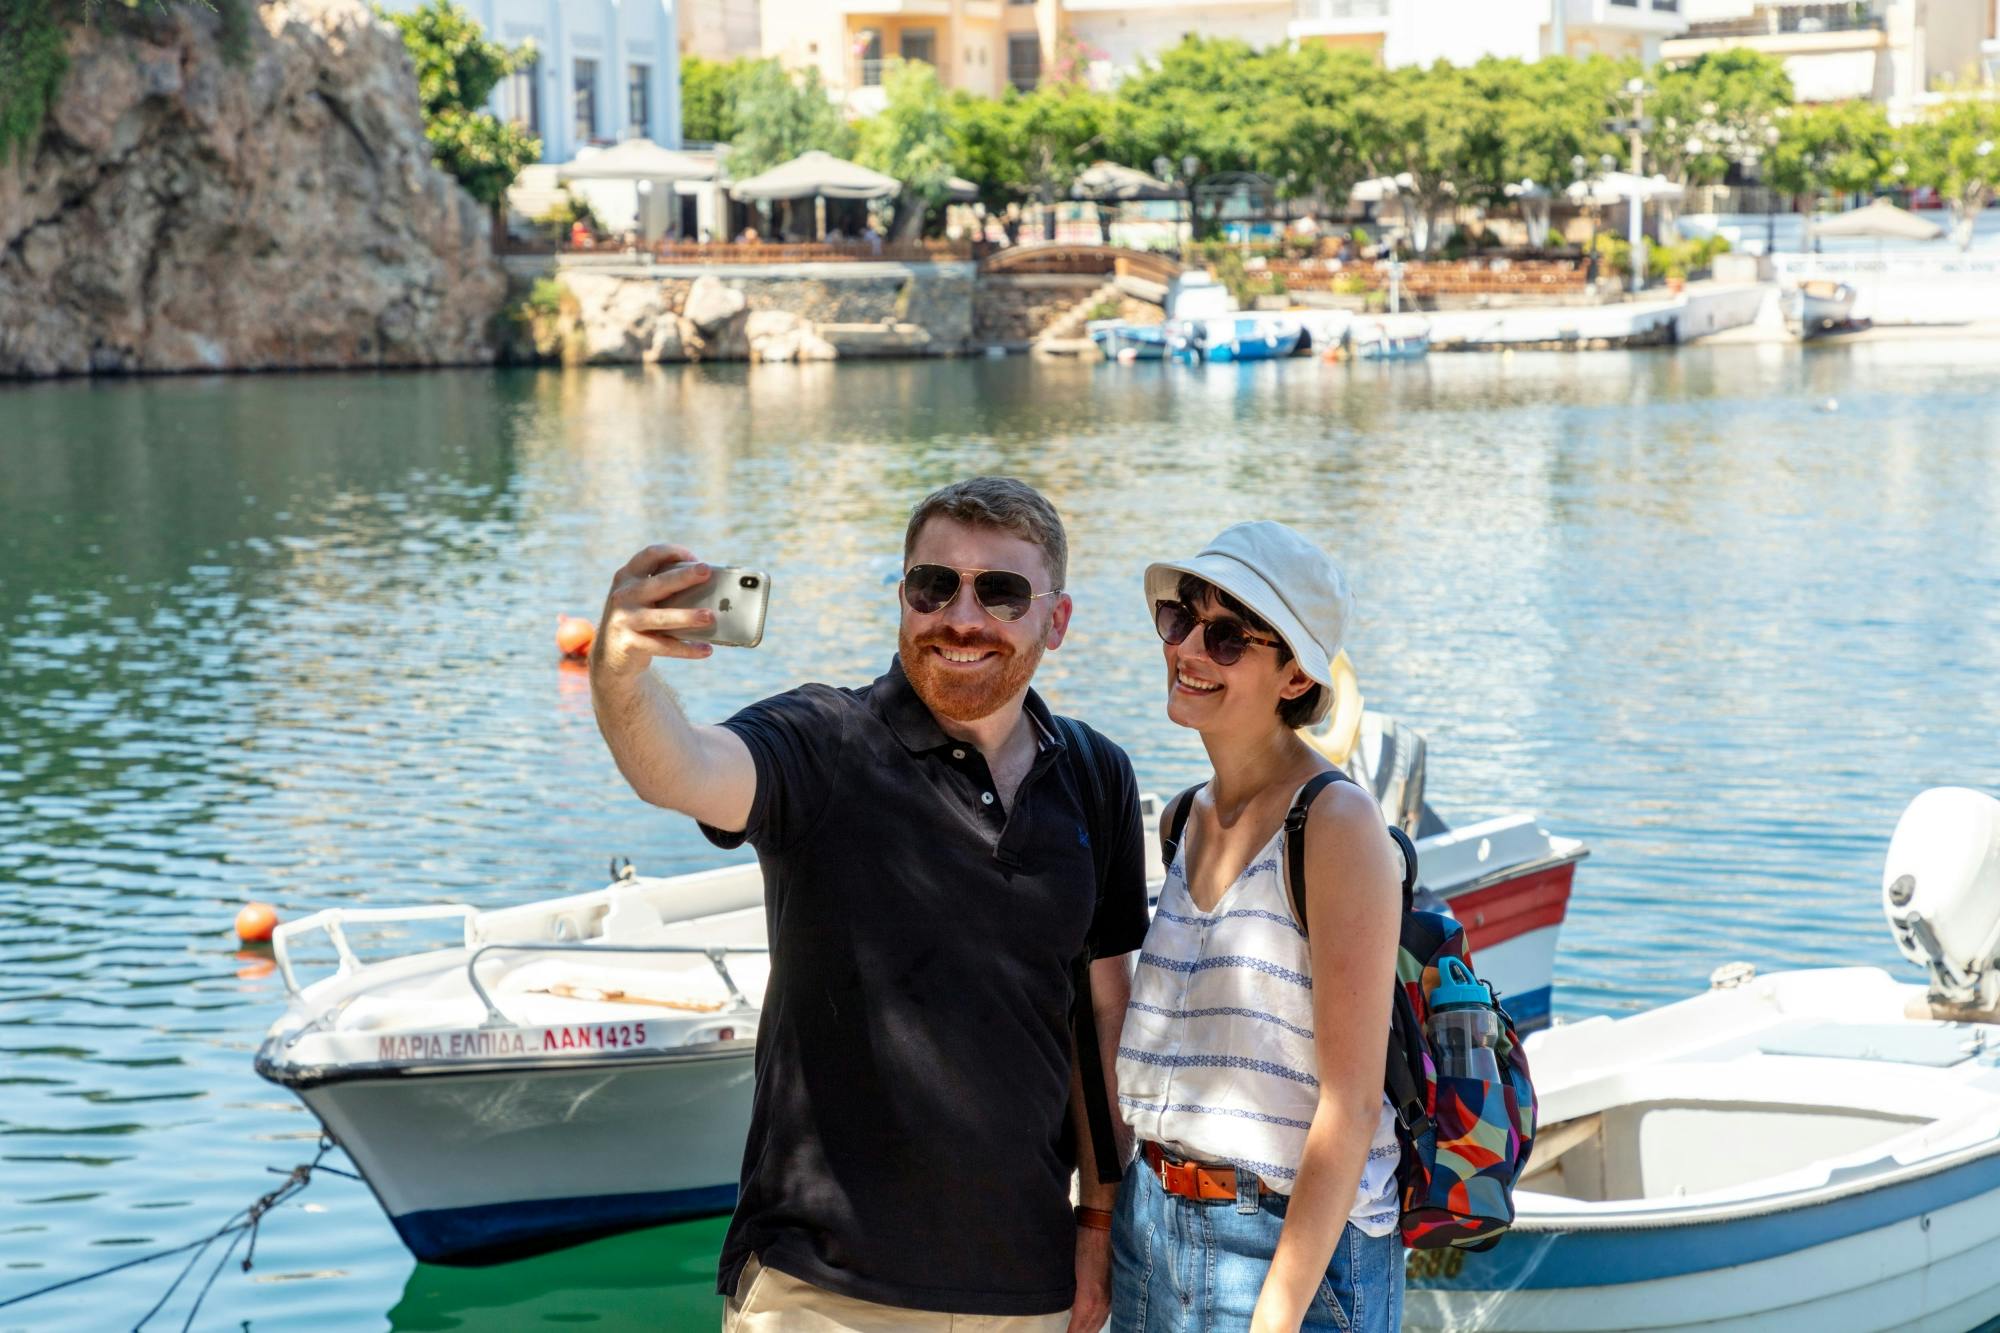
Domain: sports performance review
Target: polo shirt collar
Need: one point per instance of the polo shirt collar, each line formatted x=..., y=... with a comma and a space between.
x=895, y=701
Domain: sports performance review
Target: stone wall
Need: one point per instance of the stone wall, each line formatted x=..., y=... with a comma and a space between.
x=183, y=212
x=1014, y=310
x=619, y=312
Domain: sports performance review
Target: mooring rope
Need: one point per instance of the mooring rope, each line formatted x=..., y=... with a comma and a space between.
x=244, y=1222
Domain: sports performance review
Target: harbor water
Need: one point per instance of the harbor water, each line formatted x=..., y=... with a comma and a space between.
x=1720, y=613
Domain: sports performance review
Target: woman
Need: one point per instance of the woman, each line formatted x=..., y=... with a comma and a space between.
x=1250, y=1065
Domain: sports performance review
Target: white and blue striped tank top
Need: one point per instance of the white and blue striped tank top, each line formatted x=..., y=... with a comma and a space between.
x=1216, y=1060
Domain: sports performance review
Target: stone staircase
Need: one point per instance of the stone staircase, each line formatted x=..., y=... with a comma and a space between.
x=1070, y=324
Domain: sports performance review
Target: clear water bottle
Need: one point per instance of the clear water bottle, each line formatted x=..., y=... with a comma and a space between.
x=1464, y=1027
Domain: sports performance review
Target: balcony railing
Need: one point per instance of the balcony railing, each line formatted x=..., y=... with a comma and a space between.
x=1335, y=11
x=1778, y=20
x=871, y=73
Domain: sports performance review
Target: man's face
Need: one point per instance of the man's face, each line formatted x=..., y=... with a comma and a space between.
x=963, y=663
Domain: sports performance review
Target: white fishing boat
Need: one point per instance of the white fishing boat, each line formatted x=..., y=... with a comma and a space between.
x=582, y=1065
x=1814, y=1150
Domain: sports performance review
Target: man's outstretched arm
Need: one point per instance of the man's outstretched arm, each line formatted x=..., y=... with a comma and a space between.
x=703, y=771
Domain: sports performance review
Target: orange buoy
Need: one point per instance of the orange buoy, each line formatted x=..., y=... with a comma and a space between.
x=574, y=635
x=255, y=922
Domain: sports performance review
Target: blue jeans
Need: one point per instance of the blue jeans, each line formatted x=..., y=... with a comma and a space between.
x=1186, y=1266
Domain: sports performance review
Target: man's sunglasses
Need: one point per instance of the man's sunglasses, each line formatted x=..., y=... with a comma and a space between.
x=1225, y=639
x=928, y=589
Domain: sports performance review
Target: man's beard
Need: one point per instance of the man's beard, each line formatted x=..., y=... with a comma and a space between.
x=966, y=696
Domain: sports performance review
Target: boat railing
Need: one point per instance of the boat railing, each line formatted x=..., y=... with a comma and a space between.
x=717, y=955
x=333, y=921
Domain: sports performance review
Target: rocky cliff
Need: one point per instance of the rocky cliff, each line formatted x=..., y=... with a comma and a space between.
x=185, y=212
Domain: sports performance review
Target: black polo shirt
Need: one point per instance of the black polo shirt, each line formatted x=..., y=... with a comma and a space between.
x=913, y=1059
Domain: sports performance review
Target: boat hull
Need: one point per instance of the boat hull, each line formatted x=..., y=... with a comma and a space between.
x=1919, y=1254
x=478, y=1166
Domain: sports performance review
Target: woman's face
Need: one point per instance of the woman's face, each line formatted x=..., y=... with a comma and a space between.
x=1241, y=697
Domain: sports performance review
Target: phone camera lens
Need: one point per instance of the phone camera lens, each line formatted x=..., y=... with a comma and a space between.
x=748, y=580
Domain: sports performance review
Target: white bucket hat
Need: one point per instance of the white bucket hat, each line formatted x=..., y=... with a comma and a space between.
x=1292, y=585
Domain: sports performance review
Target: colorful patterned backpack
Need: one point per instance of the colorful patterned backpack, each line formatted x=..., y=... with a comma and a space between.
x=1465, y=1141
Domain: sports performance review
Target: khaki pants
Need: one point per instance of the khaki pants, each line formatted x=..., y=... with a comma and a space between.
x=767, y=1301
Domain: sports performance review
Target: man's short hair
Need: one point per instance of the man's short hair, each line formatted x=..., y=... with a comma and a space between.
x=998, y=502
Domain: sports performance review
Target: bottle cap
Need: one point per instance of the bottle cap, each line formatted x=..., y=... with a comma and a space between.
x=1457, y=986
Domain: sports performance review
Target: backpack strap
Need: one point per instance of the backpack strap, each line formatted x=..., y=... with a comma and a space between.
x=1295, y=837
x=1173, y=824
x=1406, y=1034
x=1083, y=1015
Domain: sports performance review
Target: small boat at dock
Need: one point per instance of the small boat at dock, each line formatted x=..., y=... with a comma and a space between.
x=583, y=1065
x=1817, y=306
x=1247, y=338
x=1391, y=338
x=1802, y=1151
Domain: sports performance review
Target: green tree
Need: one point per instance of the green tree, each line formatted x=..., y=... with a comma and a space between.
x=1956, y=151
x=1201, y=108
x=986, y=151
x=1312, y=137
x=1552, y=131
x=1435, y=127
x=911, y=139
x=1027, y=146
x=457, y=69
x=1836, y=148
x=709, y=93
x=1718, y=111
x=779, y=117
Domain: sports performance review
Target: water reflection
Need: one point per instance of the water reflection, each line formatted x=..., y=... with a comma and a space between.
x=291, y=638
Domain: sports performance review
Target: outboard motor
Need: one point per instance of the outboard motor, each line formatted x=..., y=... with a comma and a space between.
x=1941, y=892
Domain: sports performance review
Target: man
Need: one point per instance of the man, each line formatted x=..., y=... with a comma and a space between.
x=931, y=847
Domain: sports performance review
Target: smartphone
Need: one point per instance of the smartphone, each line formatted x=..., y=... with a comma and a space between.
x=737, y=596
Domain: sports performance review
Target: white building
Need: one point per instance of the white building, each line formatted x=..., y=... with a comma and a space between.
x=604, y=70
x=1896, y=52
x=720, y=29
x=1118, y=34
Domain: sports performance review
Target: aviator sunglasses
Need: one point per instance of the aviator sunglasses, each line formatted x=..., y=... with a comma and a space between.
x=1003, y=594
x=1225, y=639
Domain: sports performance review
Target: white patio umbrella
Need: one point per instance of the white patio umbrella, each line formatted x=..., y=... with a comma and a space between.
x=1382, y=187
x=1533, y=198
x=655, y=173
x=636, y=160
x=1622, y=187
x=1111, y=182
x=817, y=174
x=1618, y=187
x=960, y=190
x=1880, y=219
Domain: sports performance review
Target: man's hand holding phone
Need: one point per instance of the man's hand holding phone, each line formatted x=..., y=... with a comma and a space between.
x=635, y=628
x=666, y=603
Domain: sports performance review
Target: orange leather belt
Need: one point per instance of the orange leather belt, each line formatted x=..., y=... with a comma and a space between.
x=1191, y=1180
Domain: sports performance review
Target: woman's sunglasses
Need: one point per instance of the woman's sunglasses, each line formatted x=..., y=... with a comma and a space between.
x=1005, y=595
x=1225, y=639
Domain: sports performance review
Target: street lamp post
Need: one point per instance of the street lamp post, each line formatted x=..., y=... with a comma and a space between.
x=1636, y=226
x=1163, y=168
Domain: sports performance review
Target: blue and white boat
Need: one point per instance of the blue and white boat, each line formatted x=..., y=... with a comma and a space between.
x=1248, y=337
x=1809, y=1150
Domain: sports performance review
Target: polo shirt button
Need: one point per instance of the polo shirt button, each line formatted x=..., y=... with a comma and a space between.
x=986, y=798
x=958, y=754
